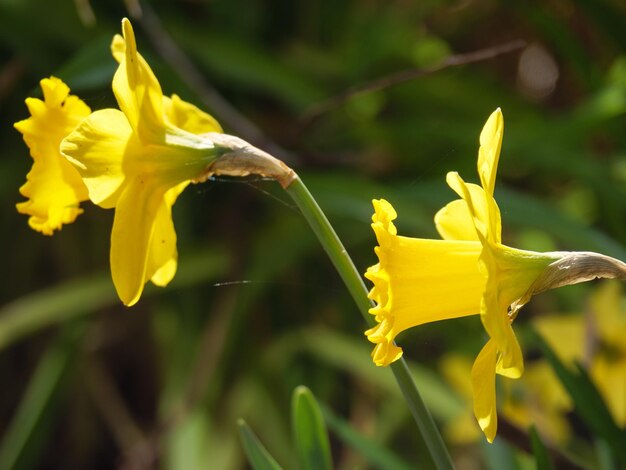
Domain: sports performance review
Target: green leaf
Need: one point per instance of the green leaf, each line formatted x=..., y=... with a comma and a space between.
x=542, y=457
x=32, y=419
x=352, y=355
x=499, y=455
x=310, y=432
x=85, y=295
x=375, y=454
x=248, y=66
x=258, y=456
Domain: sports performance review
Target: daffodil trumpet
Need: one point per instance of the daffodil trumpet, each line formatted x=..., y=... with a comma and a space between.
x=54, y=187
x=469, y=271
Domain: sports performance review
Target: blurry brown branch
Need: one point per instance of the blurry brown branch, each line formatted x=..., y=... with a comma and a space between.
x=10, y=75
x=397, y=78
x=118, y=418
x=85, y=12
x=143, y=452
x=193, y=78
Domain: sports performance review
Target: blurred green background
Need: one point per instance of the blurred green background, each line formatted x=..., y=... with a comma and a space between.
x=256, y=308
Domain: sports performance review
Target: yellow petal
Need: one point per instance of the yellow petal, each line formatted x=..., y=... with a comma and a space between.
x=118, y=48
x=511, y=274
x=418, y=281
x=178, y=113
x=455, y=222
x=489, y=151
x=188, y=117
x=97, y=148
x=54, y=188
x=482, y=208
x=163, y=257
x=484, y=387
x=131, y=237
x=137, y=90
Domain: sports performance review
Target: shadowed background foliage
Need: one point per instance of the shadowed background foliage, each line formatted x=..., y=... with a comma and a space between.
x=256, y=308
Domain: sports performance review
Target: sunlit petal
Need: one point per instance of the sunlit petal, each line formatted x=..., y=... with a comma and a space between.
x=54, y=188
x=484, y=386
x=163, y=256
x=188, y=117
x=137, y=90
x=131, y=237
x=489, y=151
x=455, y=222
x=482, y=208
x=97, y=148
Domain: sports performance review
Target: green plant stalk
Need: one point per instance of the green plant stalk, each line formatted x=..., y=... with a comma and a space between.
x=354, y=282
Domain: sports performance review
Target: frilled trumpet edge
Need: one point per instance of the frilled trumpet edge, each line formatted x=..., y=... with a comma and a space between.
x=382, y=335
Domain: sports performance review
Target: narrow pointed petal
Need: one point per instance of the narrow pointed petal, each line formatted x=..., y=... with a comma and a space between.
x=97, y=148
x=177, y=112
x=54, y=188
x=489, y=151
x=484, y=389
x=131, y=237
x=163, y=256
x=137, y=90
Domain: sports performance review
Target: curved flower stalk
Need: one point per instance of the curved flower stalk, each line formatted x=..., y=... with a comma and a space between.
x=469, y=272
x=54, y=188
x=138, y=160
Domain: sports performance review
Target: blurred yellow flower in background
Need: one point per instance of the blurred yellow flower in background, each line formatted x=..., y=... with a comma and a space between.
x=595, y=340
x=54, y=188
x=138, y=160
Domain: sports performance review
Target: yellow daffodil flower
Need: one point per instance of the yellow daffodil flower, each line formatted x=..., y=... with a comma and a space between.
x=468, y=272
x=54, y=188
x=138, y=160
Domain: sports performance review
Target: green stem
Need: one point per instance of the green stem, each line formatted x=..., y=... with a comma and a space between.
x=353, y=280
